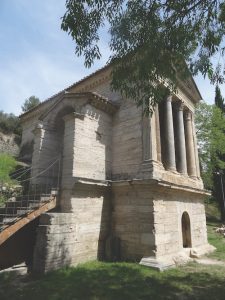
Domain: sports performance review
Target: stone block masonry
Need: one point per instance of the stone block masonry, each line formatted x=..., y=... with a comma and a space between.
x=56, y=240
x=77, y=236
x=124, y=177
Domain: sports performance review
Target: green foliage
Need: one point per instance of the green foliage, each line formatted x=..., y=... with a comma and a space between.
x=9, y=123
x=150, y=41
x=219, y=100
x=217, y=240
x=30, y=103
x=7, y=166
x=210, y=128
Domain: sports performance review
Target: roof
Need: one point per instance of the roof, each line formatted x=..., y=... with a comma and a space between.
x=183, y=86
x=94, y=98
x=67, y=88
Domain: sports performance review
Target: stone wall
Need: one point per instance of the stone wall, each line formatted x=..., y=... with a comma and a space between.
x=92, y=145
x=147, y=219
x=132, y=220
x=127, y=141
x=74, y=237
x=168, y=209
x=55, y=242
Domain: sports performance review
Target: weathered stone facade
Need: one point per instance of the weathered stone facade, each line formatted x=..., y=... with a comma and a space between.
x=128, y=184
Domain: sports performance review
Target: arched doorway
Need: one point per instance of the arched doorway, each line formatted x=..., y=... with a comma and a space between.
x=186, y=230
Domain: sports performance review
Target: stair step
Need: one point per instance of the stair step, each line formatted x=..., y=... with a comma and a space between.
x=25, y=203
x=7, y=215
x=23, y=211
x=15, y=209
x=9, y=220
x=7, y=210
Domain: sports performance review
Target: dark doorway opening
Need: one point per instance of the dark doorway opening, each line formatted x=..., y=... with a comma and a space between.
x=186, y=230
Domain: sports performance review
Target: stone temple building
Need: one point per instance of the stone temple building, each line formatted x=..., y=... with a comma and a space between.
x=129, y=185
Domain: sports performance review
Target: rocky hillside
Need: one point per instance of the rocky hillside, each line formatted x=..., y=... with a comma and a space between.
x=9, y=143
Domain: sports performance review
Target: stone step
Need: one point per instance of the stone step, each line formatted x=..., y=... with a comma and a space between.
x=6, y=216
x=9, y=220
x=23, y=211
x=24, y=203
x=8, y=210
x=28, y=206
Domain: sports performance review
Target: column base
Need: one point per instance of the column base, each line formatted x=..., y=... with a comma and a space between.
x=171, y=169
x=182, y=257
x=152, y=262
x=193, y=177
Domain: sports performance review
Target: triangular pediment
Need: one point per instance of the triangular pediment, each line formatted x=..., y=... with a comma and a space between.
x=78, y=100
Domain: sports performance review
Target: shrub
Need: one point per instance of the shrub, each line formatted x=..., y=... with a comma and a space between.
x=8, y=187
x=9, y=123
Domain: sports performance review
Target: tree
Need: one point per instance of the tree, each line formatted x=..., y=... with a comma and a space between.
x=210, y=128
x=219, y=172
x=30, y=103
x=219, y=100
x=9, y=123
x=151, y=41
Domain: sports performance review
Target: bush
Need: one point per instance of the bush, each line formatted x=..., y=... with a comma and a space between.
x=9, y=123
x=7, y=166
x=8, y=187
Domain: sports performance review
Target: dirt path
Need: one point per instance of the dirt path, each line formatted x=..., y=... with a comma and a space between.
x=209, y=261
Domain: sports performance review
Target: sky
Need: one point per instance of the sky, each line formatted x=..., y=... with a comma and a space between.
x=37, y=57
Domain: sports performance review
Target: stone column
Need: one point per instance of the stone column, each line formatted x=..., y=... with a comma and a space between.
x=158, y=139
x=68, y=150
x=180, y=139
x=170, y=162
x=146, y=138
x=191, y=165
x=37, y=161
x=196, y=148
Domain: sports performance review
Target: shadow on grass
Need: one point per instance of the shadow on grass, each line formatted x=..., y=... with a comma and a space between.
x=217, y=240
x=119, y=281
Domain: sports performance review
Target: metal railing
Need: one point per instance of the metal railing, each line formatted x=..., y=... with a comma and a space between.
x=21, y=206
x=32, y=195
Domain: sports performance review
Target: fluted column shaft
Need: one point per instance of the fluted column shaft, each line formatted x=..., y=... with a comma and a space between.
x=180, y=139
x=158, y=140
x=196, y=148
x=170, y=162
x=190, y=149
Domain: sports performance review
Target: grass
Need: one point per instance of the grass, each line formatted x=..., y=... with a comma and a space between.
x=123, y=281
x=98, y=280
x=217, y=240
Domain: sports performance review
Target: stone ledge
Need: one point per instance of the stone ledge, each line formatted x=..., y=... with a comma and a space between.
x=182, y=257
x=156, y=264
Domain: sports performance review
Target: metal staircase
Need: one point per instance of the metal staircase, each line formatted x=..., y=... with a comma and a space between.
x=38, y=195
x=16, y=214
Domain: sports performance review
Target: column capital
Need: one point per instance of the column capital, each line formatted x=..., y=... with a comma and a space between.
x=188, y=115
x=169, y=98
x=179, y=105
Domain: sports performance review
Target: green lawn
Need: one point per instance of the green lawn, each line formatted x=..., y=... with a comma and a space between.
x=125, y=281
x=98, y=280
